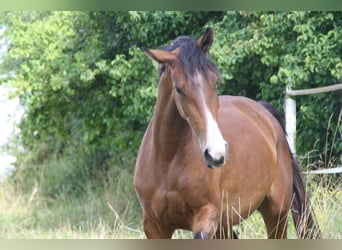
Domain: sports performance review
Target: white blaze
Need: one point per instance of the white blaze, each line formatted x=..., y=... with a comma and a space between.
x=213, y=142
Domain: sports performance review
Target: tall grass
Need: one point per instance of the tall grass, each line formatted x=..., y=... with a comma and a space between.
x=112, y=212
x=103, y=207
x=326, y=202
x=60, y=198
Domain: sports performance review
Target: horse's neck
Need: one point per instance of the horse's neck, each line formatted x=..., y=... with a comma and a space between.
x=169, y=128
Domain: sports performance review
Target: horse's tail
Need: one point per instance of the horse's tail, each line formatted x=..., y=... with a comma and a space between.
x=303, y=216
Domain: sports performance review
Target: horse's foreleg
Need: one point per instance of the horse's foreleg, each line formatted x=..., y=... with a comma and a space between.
x=153, y=229
x=205, y=222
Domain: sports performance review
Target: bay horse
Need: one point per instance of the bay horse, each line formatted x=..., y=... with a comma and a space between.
x=207, y=162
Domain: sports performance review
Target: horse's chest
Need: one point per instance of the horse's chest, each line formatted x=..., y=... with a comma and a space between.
x=185, y=195
x=175, y=195
x=179, y=212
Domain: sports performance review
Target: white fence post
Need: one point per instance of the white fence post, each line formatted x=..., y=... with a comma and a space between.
x=290, y=120
x=290, y=109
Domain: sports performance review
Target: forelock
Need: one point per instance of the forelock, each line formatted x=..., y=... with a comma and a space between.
x=191, y=58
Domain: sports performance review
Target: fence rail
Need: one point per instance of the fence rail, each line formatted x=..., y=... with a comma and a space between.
x=326, y=171
x=334, y=87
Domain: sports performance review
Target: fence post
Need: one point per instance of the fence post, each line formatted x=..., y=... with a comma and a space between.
x=290, y=120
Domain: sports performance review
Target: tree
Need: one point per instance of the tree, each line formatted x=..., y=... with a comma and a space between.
x=260, y=53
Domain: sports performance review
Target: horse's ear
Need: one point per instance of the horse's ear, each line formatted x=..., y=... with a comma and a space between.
x=161, y=56
x=206, y=40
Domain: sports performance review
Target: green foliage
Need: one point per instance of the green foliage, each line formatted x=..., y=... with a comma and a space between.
x=263, y=52
x=88, y=89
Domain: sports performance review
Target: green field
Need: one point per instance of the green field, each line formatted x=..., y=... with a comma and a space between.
x=112, y=212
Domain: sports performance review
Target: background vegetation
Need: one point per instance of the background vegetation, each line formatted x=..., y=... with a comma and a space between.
x=89, y=92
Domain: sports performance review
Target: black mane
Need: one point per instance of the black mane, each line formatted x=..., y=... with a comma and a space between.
x=190, y=57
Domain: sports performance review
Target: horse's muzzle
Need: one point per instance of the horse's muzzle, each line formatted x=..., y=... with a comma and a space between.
x=217, y=161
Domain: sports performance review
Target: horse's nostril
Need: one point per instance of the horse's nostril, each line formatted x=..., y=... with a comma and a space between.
x=219, y=161
x=207, y=156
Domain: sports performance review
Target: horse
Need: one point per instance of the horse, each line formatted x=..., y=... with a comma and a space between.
x=207, y=162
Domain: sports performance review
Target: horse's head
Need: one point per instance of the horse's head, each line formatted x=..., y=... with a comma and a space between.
x=194, y=80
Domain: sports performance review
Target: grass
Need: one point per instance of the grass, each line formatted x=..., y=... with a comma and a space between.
x=111, y=211
x=108, y=211
x=326, y=201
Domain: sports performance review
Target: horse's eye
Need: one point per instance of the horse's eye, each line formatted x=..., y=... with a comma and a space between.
x=179, y=91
